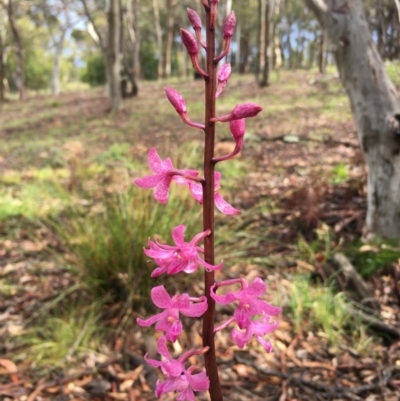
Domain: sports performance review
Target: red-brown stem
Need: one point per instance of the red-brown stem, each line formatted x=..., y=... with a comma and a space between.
x=208, y=212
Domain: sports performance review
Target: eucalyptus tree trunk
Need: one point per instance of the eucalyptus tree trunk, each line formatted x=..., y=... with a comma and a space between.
x=2, y=64
x=19, y=49
x=170, y=38
x=375, y=105
x=55, y=74
x=113, y=54
x=266, y=41
x=157, y=23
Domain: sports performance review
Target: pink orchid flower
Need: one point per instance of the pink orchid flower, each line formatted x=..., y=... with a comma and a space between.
x=164, y=174
x=222, y=205
x=184, y=256
x=179, y=379
x=258, y=329
x=249, y=304
x=168, y=320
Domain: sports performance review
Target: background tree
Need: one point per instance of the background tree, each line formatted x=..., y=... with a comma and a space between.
x=375, y=106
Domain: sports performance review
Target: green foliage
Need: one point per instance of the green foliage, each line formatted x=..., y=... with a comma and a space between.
x=108, y=241
x=372, y=257
x=321, y=245
x=61, y=340
x=38, y=60
x=340, y=174
x=318, y=308
x=95, y=71
x=393, y=70
x=148, y=61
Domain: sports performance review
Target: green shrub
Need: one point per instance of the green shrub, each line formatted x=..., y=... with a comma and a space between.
x=108, y=243
x=95, y=71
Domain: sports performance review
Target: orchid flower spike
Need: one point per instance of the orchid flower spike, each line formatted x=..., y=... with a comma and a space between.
x=179, y=379
x=240, y=111
x=177, y=100
x=224, y=74
x=168, y=321
x=184, y=256
x=164, y=174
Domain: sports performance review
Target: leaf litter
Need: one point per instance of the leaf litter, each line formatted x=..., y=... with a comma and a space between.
x=302, y=189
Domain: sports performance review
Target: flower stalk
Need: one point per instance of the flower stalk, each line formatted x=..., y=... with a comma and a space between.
x=208, y=206
x=253, y=317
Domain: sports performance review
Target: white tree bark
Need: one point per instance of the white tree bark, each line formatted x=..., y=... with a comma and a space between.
x=375, y=105
x=55, y=75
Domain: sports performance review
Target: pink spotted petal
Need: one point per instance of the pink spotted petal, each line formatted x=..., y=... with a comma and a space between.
x=181, y=301
x=242, y=317
x=256, y=288
x=162, y=190
x=196, y=309
x=160, y=297
x=152, y=362
x=225, y=299
x=208, y=266
x=178, y=234
x=155, y=161
x=217, y=180
x=174, y=331
x=162, y=347
x=149, y=181
x=258, y=306
x=151, y=320
x=265, y=343
x=158, y=271
x=176, y=267
x=223, y=206
x=241, y=338
x=173, y=368
x=199, y=381
x=259, y=328
x=197, y=191
x=165, y=387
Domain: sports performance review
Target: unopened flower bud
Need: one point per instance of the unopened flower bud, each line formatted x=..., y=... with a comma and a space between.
x=238, y=128
x=245, y=110
x=190, y=42
x=176, y=100
x=194, y=19
x=229, y=25
x=240, y=111
x=224, y=74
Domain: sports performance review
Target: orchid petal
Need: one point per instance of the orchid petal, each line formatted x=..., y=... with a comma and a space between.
x=223, y=206
x=162, y=190
x=160, y=297
x=151, y=320
x=178, y=234
x=196, y=309
x=150, y=181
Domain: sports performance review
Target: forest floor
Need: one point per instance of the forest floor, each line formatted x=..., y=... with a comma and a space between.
x=71, y=230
